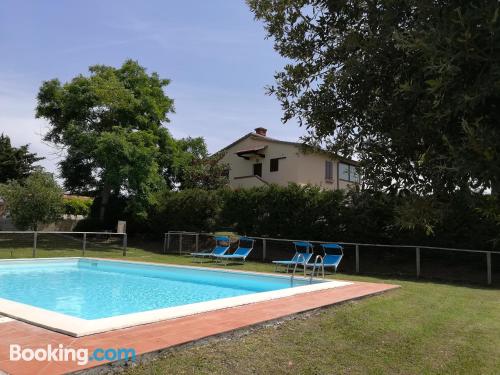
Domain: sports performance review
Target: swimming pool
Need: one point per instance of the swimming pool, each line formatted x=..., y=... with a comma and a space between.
x=83, y=295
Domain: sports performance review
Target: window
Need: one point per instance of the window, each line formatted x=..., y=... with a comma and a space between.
x=344, y=171
x=348, y=172
x=275, y=163
x=353, y=174
x=257, y=169
x=328, y=170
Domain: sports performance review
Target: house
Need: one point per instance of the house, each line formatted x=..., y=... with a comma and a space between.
x=256, y=160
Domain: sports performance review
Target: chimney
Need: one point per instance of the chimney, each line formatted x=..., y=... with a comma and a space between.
x=261, y=131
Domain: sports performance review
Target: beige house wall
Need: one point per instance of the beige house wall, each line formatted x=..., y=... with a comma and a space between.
x=240, y=167
x=311, y=170
x=294, y=165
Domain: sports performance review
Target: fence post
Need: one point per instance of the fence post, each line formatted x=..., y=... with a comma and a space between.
x=124, y=244
x=417, y=254
x=488, y=267
x=357, y=258
x=168, y=242
x=180, y=243
x=197, y=239
x=35, y=238
x=164, y=243
x=84, y=245
x=264, y=249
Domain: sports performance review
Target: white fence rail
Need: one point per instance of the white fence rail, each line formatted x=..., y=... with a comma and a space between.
x=267, y=249
x=33, y=243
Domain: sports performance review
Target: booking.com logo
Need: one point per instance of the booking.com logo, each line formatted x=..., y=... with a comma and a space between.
x=62, y=354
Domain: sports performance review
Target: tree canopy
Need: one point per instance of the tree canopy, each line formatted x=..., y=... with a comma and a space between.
x=110, y=126
x=195, y=168
x=34, y=201
x=15, y=162
x=411, y=87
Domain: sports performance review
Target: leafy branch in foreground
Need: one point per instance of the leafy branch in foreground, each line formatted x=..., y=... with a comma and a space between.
x=410, y=87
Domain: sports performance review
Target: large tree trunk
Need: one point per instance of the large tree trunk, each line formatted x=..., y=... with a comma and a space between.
x=106, y=192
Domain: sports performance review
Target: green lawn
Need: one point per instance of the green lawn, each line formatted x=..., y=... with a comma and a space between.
x=422, y=328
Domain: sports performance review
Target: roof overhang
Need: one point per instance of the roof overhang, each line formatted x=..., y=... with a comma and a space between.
x=301, y=146
x=255, y=151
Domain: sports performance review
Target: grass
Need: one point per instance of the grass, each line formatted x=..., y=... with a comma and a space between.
x=422, y=328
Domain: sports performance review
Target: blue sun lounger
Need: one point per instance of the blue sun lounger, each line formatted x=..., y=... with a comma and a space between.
x=245, y=247
x=222, y=244
x=330, y=260
x=303, y=252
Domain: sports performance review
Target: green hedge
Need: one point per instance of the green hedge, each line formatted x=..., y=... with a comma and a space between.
x=291, y=212
x=306, y=212
x=188, y=210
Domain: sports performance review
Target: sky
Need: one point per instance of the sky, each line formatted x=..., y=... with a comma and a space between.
x=214, y=53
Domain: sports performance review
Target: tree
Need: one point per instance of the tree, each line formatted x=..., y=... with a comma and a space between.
x=75, y=205
x=195, y=168
x=36, y=200
x=206, y=174
x=110, y=126
x=410, y=87
x=15, y=163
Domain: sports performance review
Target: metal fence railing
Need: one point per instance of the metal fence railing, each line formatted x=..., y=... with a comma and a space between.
x=186, y=242
x=411, y=260
x=22, y=244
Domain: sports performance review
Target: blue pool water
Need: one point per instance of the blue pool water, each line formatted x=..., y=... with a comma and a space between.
x=93, y=289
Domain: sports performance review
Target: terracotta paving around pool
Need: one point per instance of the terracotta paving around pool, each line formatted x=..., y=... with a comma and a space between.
x=165, y=334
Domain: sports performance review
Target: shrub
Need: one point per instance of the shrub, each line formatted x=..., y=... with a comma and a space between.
x=190, y=210
x=288, y=212
x=306, y=212
x=77, y=206
x=34, y=201
x=88, y=224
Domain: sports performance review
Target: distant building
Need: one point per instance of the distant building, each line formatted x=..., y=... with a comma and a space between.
x=256, y=160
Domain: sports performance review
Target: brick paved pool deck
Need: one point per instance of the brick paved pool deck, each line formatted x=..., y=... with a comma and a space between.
x=162, y=335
